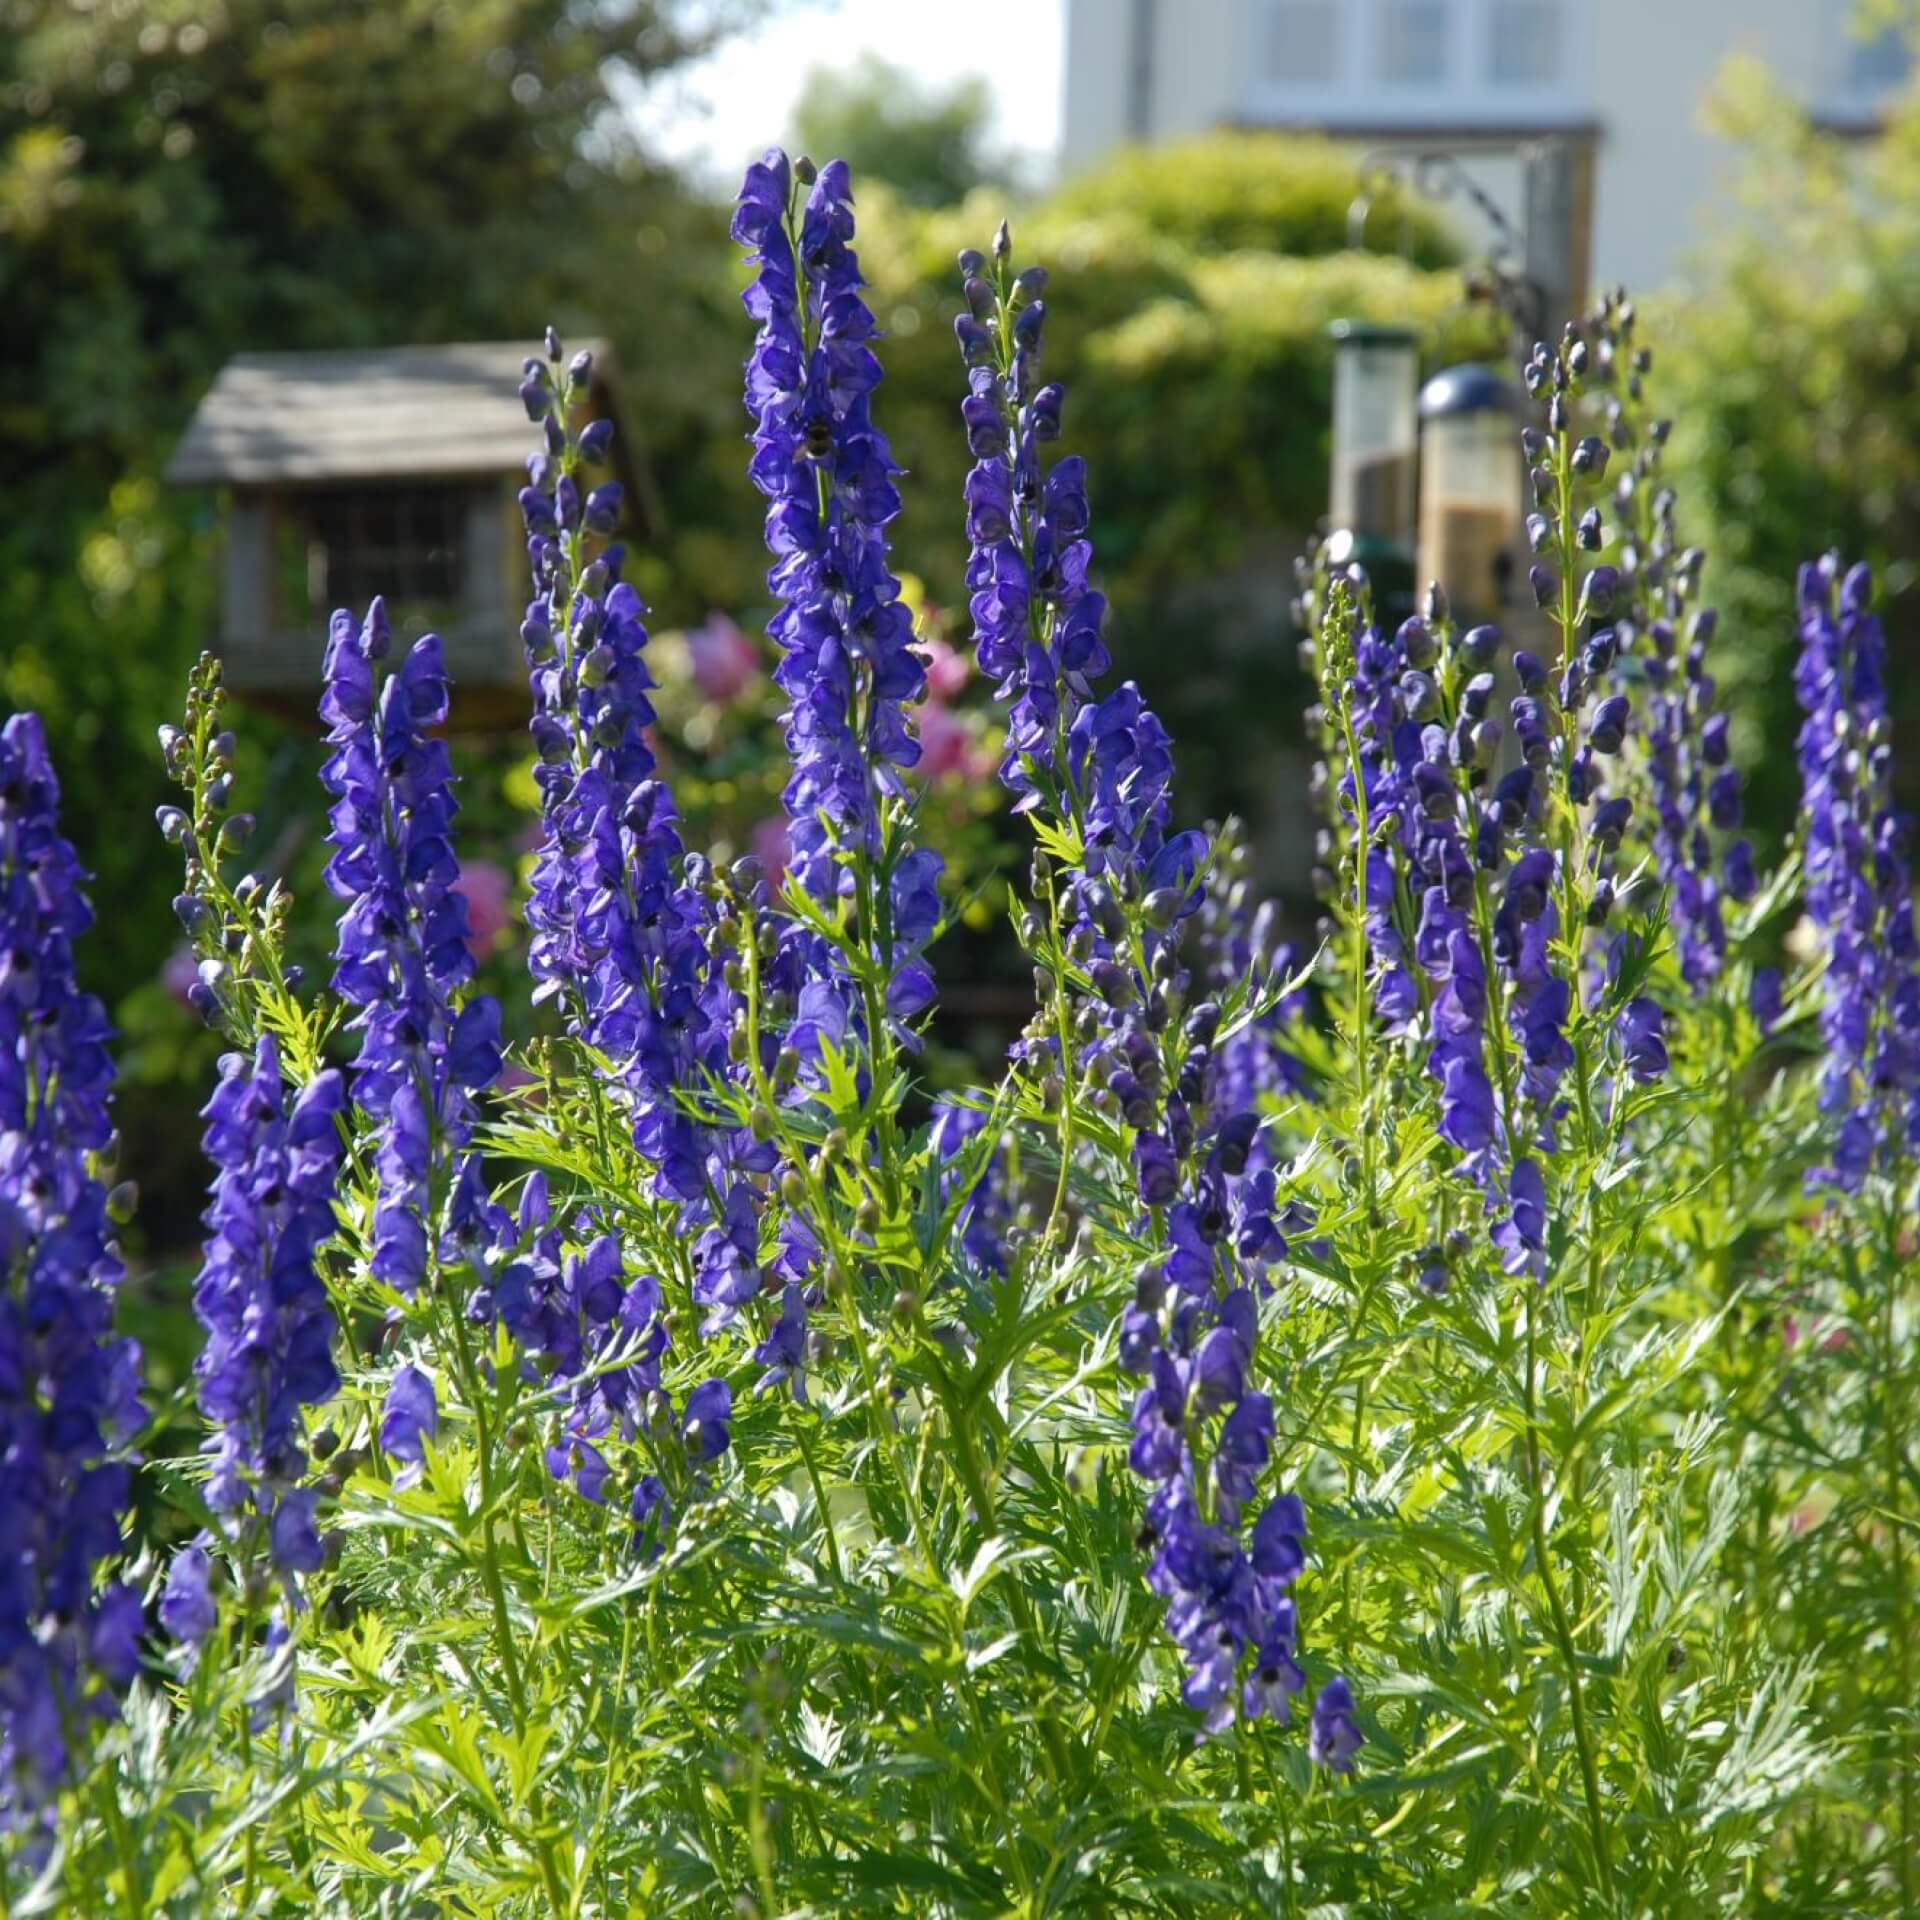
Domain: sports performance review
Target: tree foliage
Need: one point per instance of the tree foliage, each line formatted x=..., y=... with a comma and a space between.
x=1796, y=378
x=186, y=179
x=928, y=143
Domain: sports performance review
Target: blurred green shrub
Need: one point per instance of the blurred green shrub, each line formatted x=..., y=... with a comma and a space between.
x=1795, y=387
x=1265, y=192
x=929, y=142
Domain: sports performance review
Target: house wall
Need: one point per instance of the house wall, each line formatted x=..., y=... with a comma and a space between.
x=1635, y=70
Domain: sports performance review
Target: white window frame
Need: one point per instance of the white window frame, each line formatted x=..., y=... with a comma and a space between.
x=1463, y=98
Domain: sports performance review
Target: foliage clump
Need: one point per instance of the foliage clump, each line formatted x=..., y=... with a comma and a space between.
x=1423, y=1423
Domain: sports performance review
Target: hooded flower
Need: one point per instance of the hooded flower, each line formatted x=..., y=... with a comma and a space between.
x=1102, y=765
x=1858, y=891
x=269, y=1325
x=402, y=950
x=621, y=936
x=1335, y=1736
x=848, y=666
x=69, y=1390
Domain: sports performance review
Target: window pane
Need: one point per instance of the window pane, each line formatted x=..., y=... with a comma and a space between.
x=1302, y=45
x=1525, y=50
x=1413, y=42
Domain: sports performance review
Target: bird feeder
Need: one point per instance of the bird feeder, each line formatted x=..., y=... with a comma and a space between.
x=1375, y=374
x=1470, y=487
x=1375, y=425
x=350, y=474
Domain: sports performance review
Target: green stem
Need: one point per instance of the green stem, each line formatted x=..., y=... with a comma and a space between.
x=1063, y=1027
x=246, y=1742
x=981, y=1494
x=1562, y=1630
x=123, y=1850
x=757, y=1834
x=820, y=1498
x=502, y=1620
x=1894, y=1428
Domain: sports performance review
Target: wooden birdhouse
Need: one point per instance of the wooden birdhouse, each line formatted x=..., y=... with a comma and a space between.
x=350, y=474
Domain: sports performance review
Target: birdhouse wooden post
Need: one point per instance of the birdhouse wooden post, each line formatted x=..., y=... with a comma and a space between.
x=350, y=474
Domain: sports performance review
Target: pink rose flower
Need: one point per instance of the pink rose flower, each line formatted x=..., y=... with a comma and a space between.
x=724, y=659
x=488, y=891
x=947, y=744
x=947, y=670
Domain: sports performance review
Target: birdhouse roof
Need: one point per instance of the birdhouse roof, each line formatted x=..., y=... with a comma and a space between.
x=390, y=414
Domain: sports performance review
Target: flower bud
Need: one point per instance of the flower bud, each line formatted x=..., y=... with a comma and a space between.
x=1608, y=728
x=976, y=341
x=1418, y=640
x=1478, y=645
x=1597, y=591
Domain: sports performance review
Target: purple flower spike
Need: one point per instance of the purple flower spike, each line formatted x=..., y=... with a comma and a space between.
x=1203, y=1432
x=848, y=665
x=69, y=1390
x=402, y=949
x=1858, y=890
x=269, y=1324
